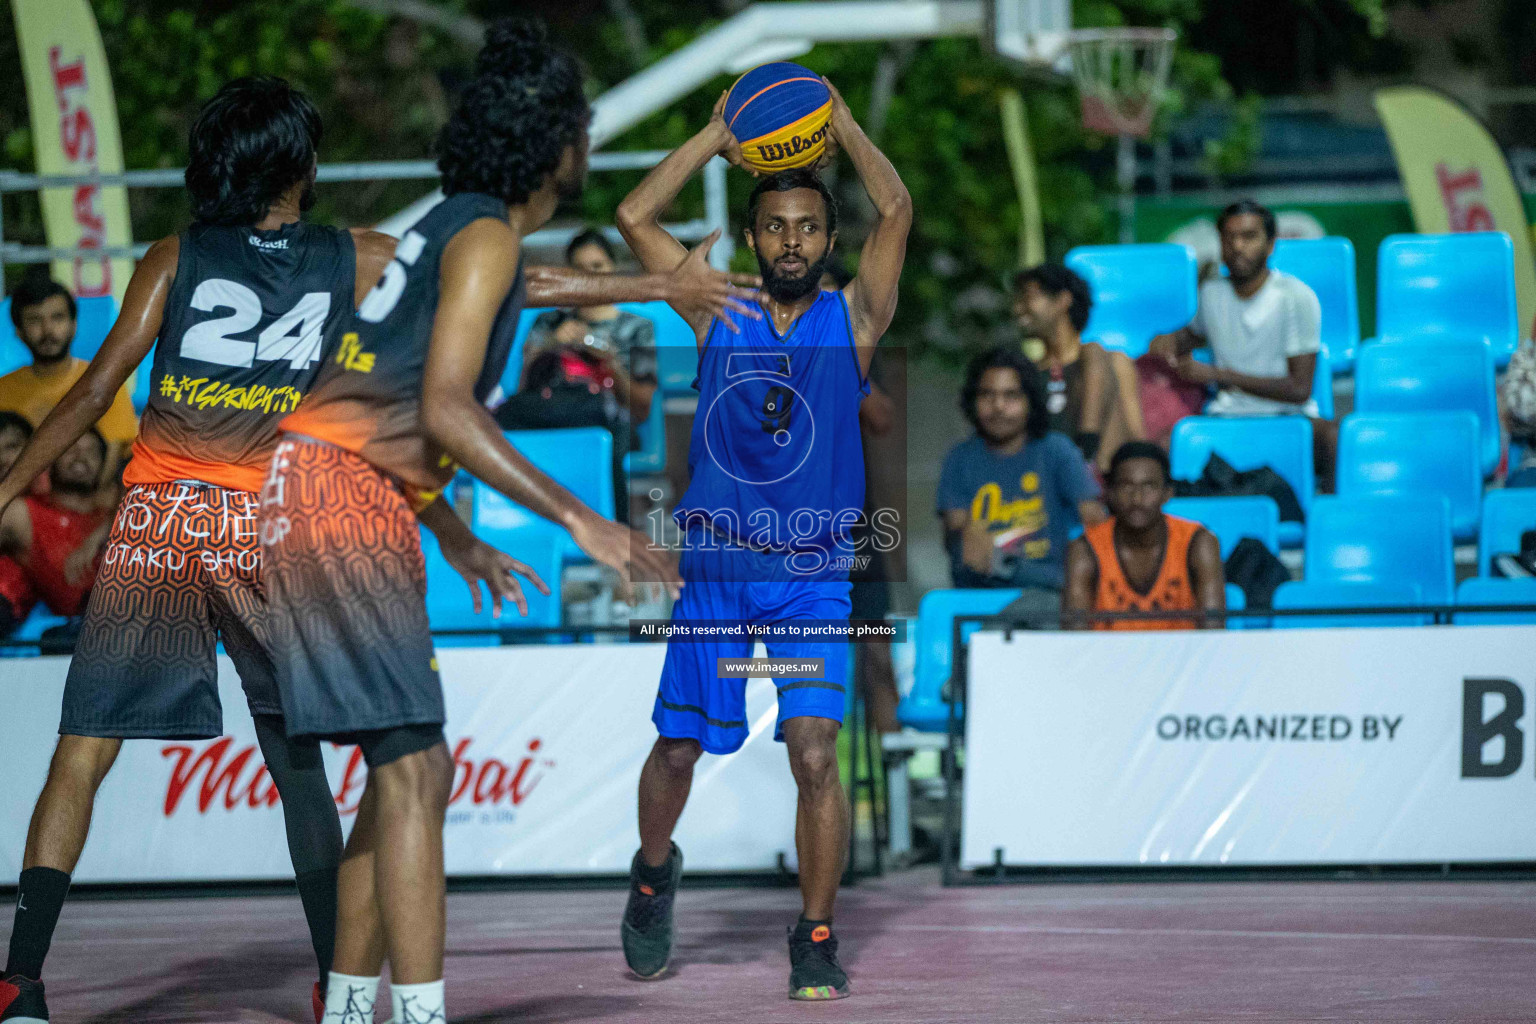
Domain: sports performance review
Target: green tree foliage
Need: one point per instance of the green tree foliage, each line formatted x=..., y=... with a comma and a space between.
x=384, y=84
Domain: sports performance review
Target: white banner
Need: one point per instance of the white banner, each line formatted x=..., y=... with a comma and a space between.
x=1261, y=747
x=547, y=741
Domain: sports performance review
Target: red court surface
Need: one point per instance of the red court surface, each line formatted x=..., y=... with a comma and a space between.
x=1186, y=952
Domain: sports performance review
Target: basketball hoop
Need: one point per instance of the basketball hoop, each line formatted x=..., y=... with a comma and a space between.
x=1121, y=74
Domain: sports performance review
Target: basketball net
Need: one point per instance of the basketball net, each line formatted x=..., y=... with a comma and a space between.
x=1121, y=74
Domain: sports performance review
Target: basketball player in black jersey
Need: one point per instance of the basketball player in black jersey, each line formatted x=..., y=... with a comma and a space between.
x=243, y=305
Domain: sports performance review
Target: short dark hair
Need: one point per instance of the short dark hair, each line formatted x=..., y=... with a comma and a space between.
x=1140, y=450
x=525, y=105
x=590, y=236
x=1243, y=206
x=1010, y=357
x=788, y=181
x=256, y=139
x=1053, y=279
x=15, y=421
x=34, y=290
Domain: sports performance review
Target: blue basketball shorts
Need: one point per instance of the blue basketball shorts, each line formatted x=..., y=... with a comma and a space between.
x=694, y=702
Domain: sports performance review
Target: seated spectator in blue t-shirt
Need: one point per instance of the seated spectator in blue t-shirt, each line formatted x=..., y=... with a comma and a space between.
x=1012, y=496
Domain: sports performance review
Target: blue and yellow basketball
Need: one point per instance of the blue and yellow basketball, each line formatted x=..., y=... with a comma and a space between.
x=779, y=113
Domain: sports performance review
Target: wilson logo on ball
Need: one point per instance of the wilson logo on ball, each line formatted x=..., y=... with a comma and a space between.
x=779, y=113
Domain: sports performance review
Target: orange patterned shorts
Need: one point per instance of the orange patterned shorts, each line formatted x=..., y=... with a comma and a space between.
x=346, y=595
x=181, y=571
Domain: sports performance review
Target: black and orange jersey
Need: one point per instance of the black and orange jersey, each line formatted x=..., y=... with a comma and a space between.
x=250, y=317
x=367, y=398
x=1173, y=590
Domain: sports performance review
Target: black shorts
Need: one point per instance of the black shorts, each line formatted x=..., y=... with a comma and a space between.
x=180, y=572
x=346, y=596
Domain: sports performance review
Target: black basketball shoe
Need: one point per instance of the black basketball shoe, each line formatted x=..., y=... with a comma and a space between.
x=814, y=973
x=21, y=1001
x=647, y=927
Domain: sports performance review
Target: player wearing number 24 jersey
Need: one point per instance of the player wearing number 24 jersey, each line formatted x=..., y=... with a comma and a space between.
x=241, y=308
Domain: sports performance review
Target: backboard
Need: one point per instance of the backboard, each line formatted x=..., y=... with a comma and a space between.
x=1033, y=33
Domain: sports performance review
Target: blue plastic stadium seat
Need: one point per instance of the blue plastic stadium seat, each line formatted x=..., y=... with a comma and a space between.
x=514, y=371
x=1327, y=266
x=448, y=602
x=1457, y=285
x=1432, y=375
x=924, y=708
x=651, y=456
x=1383, y=538
x=1496, y=591
x=1309, y=594
x=94, y=318
x=677, y=348
x=1139, y=292
x=577, y=458
x=1424, y=453
x=1506, y=515
x=1232, y=519
x=1236, y=602
x=1283, y=443
x=1322, y=385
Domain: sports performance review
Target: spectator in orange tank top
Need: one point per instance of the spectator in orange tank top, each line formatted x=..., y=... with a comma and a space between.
x=1141, y=559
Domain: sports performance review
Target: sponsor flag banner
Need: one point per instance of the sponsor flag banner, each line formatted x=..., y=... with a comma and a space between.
x=74, y=131
x=547, y=743
x=1327, y=746
x=1457, y=177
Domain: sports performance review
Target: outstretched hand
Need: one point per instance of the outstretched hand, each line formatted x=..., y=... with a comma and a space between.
x=478, y=563
x=697, y=285
x=627, y=552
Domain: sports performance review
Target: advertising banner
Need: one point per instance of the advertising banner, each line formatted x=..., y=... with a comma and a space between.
x=74, y=131
x=547, y=740
x=1274, y=747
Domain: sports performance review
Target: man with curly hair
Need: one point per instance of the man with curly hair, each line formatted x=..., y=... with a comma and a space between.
x=392, y=415
x=240, y=309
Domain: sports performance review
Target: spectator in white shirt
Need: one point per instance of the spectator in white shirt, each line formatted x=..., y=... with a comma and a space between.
x=1263, y=327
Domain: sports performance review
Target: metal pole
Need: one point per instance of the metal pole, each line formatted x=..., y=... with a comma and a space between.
x=717, y=213
x=1125, y=177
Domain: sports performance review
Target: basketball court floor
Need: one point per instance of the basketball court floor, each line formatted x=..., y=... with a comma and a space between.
x=1381, y=951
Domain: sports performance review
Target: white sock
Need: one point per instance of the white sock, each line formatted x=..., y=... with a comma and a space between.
x=418, y=1004
x=349, y=999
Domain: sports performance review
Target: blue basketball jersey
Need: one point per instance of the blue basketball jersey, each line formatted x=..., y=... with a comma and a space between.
x=775, y=459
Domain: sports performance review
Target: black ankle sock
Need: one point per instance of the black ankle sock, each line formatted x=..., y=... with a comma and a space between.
x=317, y=891
x=39, y=898
x=806, y=922
x=655, y=876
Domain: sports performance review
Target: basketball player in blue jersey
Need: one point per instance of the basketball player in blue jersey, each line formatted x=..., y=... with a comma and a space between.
x=777, y=482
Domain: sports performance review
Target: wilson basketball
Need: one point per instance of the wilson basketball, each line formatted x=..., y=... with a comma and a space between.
x=779, y=113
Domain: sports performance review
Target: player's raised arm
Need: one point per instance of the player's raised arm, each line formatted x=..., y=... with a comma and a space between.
x=126, y=345
x=478, y=267
x=691, y=284
x=639, y=215
x=872, y=294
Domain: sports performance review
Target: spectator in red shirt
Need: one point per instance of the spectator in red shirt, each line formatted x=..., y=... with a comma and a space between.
x=55, y=538
x=16, y=597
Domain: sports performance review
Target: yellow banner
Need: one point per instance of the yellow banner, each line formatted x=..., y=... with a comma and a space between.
x=1457, y=178
x=74, y=131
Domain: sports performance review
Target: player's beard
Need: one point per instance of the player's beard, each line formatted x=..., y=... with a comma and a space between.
x=792, y=289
